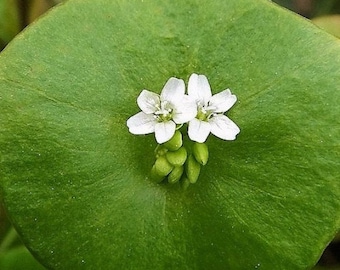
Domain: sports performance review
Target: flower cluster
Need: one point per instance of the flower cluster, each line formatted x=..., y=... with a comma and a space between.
x=202, y=110
x=166, y=113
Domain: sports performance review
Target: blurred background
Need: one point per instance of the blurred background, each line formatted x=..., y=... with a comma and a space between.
x=15, y=15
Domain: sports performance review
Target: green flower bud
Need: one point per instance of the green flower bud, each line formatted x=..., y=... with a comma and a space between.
x=160, y=169
x=163, y=166
x=185, y=183
x=175, y=174
x=160, y=151
x=177, y=158
x=155, y=176
x=201, y=153
x=175, y=142
x=192, y=169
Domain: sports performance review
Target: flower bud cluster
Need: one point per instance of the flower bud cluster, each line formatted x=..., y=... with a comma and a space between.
x=176, y=163
x=177, y=105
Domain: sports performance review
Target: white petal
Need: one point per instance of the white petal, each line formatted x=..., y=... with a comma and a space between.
x=198, y=131
x=173, y=90
x=223, y=127
x=222, y=101
x=185, y=110
x=148, y=101
x=164, y=131
x=199, y=88
x=141, y=123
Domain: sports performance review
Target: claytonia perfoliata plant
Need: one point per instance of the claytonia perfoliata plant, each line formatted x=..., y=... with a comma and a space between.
x=165, y=115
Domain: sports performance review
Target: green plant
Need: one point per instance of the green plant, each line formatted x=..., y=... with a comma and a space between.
x=9, y=21
x=75, y=182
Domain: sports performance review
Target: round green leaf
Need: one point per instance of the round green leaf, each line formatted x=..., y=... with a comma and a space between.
x=75, y=182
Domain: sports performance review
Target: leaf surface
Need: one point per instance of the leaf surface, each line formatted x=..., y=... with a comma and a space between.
x=75, y=181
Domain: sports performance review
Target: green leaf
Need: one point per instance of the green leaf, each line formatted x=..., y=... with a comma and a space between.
x=75, y=182
x=17, y=259
x=9, y=21
x=36, y=8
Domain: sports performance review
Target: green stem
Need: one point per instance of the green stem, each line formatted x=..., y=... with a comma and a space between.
x=8, y=240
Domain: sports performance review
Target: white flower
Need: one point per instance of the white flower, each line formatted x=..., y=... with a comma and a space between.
x=161, y=113
x=210, y=111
